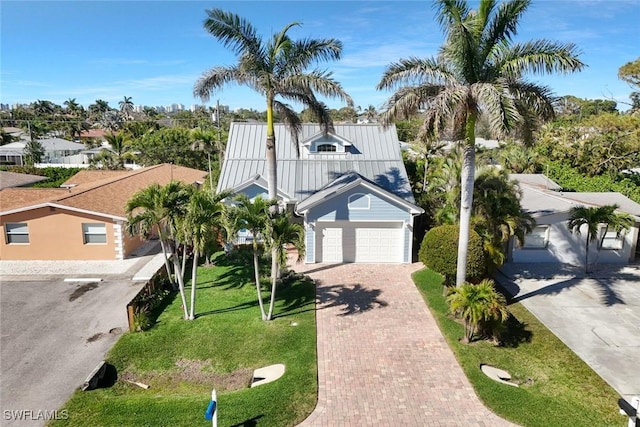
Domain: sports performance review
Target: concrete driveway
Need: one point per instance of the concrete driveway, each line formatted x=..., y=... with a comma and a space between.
x=596, y=315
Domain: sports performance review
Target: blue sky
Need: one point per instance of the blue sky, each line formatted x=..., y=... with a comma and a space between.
x=153, y=51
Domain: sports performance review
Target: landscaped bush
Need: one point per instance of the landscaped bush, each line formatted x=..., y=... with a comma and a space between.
x=439, y=252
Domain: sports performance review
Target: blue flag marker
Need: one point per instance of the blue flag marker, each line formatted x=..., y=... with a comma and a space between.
x=211, y=413
x=211, y=409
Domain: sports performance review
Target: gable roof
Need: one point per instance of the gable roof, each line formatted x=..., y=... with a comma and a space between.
x=374, y=154
x=13, y=179
x=346, y=182
x=541, y=201
x=105, y=197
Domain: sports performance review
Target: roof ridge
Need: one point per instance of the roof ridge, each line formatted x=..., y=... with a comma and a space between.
x=108, y=181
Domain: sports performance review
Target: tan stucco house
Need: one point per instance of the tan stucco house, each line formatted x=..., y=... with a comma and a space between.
x=84, y=219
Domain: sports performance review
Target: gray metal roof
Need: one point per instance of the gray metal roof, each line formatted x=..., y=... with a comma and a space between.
x=346, y=182
x=541, y=201
x=374, y=154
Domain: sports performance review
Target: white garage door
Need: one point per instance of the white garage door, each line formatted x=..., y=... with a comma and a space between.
x=361, y=242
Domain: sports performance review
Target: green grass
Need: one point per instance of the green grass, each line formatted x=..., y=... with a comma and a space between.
x=223, y=346
x=564, y=391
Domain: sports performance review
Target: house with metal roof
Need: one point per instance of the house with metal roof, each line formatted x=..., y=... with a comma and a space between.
x=85, y=219
x=551, y=241
x=348, y=187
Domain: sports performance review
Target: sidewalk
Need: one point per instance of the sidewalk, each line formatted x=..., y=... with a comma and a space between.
x=146, y=260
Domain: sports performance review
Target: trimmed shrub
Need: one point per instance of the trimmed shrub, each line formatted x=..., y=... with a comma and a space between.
x=439, y=252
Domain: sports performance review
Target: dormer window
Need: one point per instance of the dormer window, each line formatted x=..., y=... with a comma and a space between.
x=330, y=143
x=326, y=148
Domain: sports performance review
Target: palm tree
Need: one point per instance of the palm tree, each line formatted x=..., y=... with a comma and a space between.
x=478, y=305
x=159, y=208
x=497, y=213
x=72, y=106
x=593, y=218
x=252, y=215
x=208, y=142
x=118, y=142
x=276, y=68
x=98, y=108
x=126, y=107
x=203, y=216
x=282, y=232
x=478, y=72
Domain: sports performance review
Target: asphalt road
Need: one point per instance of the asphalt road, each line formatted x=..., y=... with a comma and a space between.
x=52, y=334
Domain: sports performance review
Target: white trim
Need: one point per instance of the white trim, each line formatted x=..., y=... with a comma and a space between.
x=368, y=197
x=7, y=233
x=374, y=189
x=87, y=232
x=59, y=206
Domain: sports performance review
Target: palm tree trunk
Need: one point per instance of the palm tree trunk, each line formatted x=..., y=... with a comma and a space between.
x=166, y=262
x=426, y=169
x=274, y=280
x=184, y=259
x=272, y=167
x=586, y=256
x=466, y=199
x=256, y=269
x=180, y=277
x=194, y=273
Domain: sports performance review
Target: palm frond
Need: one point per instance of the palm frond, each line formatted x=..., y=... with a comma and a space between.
x=538, y=57
x=233, y=31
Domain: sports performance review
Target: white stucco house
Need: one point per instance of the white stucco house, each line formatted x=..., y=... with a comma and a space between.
x=349, y=188
x=552, y=242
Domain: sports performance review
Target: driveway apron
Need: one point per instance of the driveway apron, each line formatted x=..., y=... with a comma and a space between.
x=382, y=360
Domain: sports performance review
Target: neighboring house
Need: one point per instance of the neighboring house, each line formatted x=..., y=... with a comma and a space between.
x=13, y=179
x=56, y=151
x=83, y=220
x=349, y=187
x=551, y=241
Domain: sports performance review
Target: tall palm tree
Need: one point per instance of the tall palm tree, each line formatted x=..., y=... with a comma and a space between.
x=478, y=305
x=282, y=232
x=254, y=216
x=126, y=107
x=273, y=68
x=478, y=72
x=592, y=218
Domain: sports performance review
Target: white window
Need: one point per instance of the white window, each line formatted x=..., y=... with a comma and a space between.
x=94, y=233
x=359, y=201
x=16, y=233
x=326, y=148
x=538, y=238
x=612, y=241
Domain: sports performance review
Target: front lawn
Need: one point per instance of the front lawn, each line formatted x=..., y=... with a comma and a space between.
x=183, y=360
x=557, y=387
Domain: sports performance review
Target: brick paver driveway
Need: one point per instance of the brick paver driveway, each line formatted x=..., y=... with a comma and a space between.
x=382, y=360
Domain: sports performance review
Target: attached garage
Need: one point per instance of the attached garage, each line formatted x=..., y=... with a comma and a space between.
x=365, y=242
x=355, y=220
